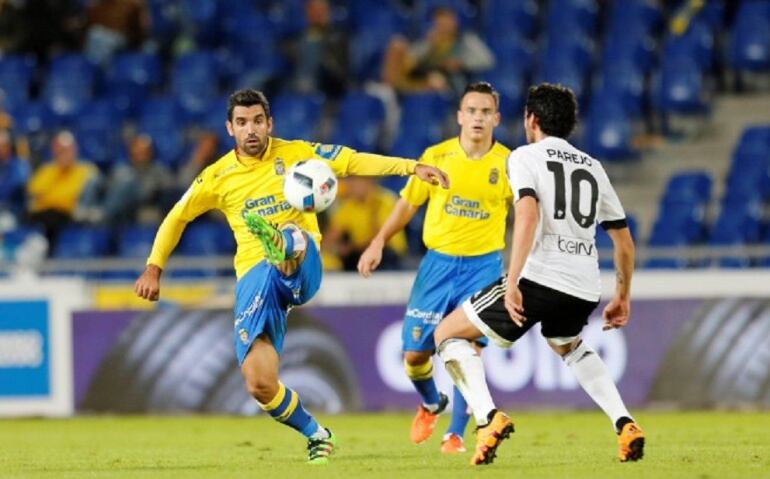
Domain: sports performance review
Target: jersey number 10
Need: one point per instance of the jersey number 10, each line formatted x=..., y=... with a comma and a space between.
x=577, y=178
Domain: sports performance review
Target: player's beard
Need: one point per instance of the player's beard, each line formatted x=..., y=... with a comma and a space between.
x=255, y=149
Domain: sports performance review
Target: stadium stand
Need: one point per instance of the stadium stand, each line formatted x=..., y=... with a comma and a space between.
x=631, y=62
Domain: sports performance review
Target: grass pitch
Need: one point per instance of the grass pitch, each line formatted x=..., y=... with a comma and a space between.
x=546, y=445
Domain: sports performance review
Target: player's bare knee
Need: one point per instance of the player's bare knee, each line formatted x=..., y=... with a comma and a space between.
x=564, y=346
x=262, y=388
x=417, y=358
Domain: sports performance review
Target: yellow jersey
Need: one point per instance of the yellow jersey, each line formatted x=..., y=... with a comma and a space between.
x=235, y=184
x=468, y=219
x=362, y=220
x=57, y=188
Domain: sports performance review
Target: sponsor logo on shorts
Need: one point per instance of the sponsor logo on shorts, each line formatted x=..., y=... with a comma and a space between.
x=244, y=335
x=427, y=317
x=256, y=303
x=569, y=245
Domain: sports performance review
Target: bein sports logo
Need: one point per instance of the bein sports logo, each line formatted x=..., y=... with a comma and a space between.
x=21, y=349
x=568, y=245
x=529, y=362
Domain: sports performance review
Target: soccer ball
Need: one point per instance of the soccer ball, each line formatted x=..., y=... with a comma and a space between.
x=310, y=185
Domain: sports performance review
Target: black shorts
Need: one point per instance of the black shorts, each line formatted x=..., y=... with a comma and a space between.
x=561, y=315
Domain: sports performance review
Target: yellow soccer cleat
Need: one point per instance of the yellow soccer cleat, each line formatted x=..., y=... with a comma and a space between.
x=489, y=437
x=631, y=442
x=452, y=444
x=425, y=421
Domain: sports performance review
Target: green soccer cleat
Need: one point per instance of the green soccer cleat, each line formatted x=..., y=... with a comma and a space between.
x=267, y=234
x=319, y=450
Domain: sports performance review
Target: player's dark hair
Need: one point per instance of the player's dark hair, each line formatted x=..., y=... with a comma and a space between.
x=482, y=87
x=247, y=97
x=555, y=108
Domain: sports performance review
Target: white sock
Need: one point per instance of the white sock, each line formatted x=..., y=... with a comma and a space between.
x=593, y=376
x=299, y=242
x=464, y=366
x=320, y=433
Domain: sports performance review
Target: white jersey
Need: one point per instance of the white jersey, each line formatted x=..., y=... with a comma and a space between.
x=574, y=195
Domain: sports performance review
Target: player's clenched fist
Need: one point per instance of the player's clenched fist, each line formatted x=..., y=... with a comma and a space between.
x=148, y=284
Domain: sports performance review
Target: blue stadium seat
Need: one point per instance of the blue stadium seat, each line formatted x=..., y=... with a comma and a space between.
x=738, y=224
x=214, y=120
x=422, y=117
x=162, y=120
x=607, y=134
x=680, y=88
x=503, y=18
x=296, y=115
x=130, y=79
x=374, y=27
x=194, y=82
x=135, y=241
x=560, y=69
x=164, y=26
x=204, y=238
x=98, y=132
x=16, y=76
x=622, y=83
x=574, y=16
x=253, y=59
x=33, y=117
x=203, y=17
x=696, y=43
x=689, y=187
x=359, y=122
x=750, y=38
x=509, y=81
x=71, y=82
x=749, y=174
x=82, y=242
x=678, y=222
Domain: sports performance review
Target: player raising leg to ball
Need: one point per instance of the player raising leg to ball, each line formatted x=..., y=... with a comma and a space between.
x=276, y=268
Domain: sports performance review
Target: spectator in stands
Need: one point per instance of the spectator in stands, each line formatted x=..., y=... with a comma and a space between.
x=204, y=153
x=320, y=54
x=443, y=60
x=114, y=25
x=140, y=190
x=58, y=188
x=359, y=214
x=41, y=26
x=14, y=174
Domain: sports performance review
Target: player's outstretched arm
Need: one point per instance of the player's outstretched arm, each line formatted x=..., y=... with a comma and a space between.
x=369, y=164
x=372, y=256
x=618, y=311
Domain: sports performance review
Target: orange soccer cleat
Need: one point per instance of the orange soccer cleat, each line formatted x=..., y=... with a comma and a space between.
x=425, y=421
x=489, y=437
x=452, y=444
x=631, y=442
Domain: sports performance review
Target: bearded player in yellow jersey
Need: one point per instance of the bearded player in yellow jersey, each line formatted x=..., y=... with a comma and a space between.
x=464, y=231
x=276, y=268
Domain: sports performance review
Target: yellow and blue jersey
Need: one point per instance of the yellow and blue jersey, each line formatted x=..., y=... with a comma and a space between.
x=236, y=184
x=468, y=219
